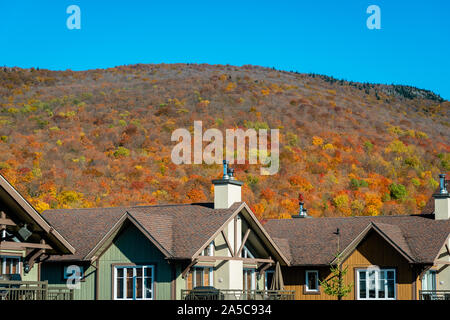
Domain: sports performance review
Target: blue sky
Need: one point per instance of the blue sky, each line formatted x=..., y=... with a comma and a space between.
x=327, y=37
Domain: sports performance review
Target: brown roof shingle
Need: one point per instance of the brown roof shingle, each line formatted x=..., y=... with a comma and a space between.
x=180, y=229
x=314, y=242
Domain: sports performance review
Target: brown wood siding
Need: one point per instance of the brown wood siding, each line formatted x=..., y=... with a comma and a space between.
x=372, y=251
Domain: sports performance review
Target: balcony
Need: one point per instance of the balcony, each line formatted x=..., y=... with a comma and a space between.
x=434, y=294
x=32, y=290
x=216, y=294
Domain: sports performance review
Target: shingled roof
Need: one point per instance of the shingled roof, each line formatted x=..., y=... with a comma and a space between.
x=179, y=229
x=314, y=242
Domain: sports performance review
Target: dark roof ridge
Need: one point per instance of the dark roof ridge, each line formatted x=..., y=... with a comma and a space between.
x=421, y=215
x=138, y=206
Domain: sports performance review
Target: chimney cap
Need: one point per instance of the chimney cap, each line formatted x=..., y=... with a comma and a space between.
x=228, y=176
x=442, y=186
x=303, y=212
x=227, y=181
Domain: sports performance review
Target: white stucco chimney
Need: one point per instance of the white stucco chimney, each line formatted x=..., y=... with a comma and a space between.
x=226, y=190
x=442, y=200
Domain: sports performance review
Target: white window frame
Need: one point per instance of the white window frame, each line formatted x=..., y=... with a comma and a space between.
x=202, y=270
x=377, y=282
x=307, y=289
x=3, y=263
x=134, y=267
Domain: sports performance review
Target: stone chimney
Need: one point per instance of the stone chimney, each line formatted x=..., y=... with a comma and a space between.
x=226, y=190
x=442, y=200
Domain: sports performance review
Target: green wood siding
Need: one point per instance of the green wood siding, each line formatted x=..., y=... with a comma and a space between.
x=130, y=247
x=53, y=272
x=32, y=275
x=134, y=248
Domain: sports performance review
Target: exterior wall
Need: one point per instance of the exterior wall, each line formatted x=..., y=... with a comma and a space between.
x=443, y=271
x=229, y=274
x=180, y=283
x=131, y=247
x=234, y=268
x=53, y=273
x=373, y=251
x=442, y=208
x=32, y=275
x=226, y=194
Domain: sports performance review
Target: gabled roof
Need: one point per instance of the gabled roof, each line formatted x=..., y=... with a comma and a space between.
x=19, y=210
x=314, y=242
x=179, y=231
x=391, y=233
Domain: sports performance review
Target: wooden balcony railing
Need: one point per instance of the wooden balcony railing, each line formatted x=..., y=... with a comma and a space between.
x=434, y=294
x=226, y=294
x=33, y=290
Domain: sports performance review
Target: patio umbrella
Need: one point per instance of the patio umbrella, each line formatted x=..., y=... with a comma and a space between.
x=277, y=281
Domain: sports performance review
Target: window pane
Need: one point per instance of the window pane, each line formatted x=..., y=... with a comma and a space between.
x=206, y=277
x=312, y=278
x=129, y=283
x=433, y=280
x=15, y=267
x=119, y=272
x=269, y=277
x=148, y=288
x=362, y=289
x=119, y=286
x=390, y=275
x=189, y=281
x=391, y=288
x=381, y=289
x=198, y=277
x=8, y=266
x=371, y=284
x=248, y=275
x=138, y=283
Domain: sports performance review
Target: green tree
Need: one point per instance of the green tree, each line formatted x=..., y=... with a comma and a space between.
x=335, y=285
x=398, y=191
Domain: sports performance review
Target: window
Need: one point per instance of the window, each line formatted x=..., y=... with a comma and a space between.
x=429, y=280
x=209, y=250
x=9, y=265
x=200, y=277
x=249, y=279
x=312, y=281
x=268, y=279
x=376, y=284
x=133, y=282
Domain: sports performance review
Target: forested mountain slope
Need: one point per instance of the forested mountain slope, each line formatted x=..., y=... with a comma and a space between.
x=103, y=138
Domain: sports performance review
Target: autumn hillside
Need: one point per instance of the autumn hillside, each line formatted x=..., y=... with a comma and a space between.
x=102, y=138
